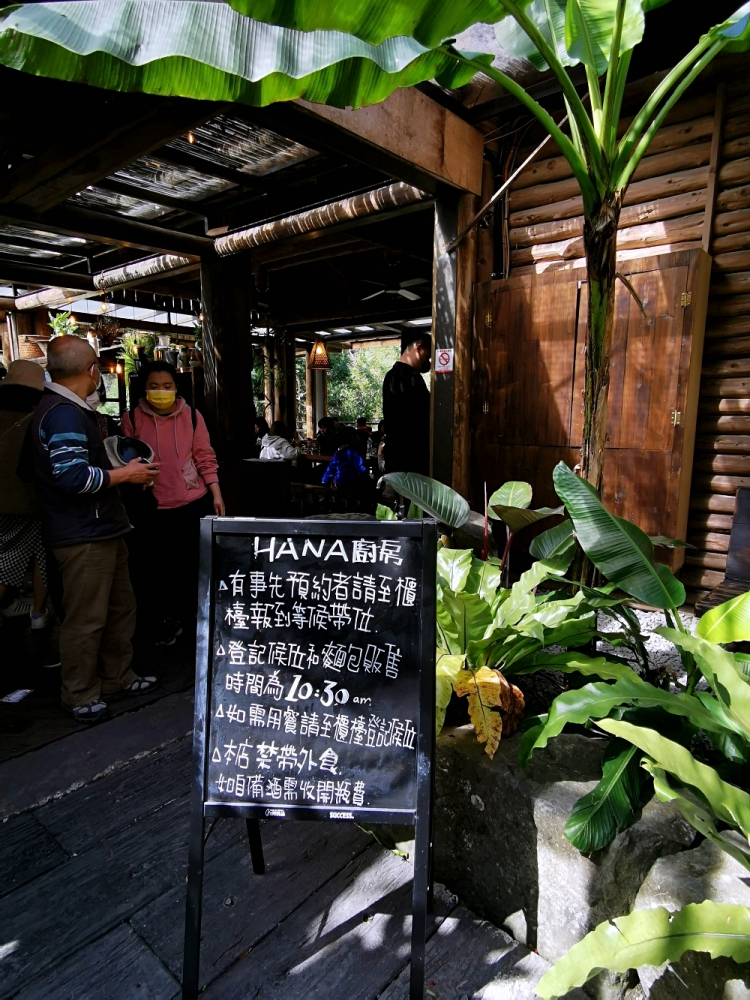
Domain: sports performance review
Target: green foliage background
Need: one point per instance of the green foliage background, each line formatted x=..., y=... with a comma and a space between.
x=355, y=382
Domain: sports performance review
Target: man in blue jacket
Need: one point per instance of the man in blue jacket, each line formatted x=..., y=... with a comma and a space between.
x=83, y=522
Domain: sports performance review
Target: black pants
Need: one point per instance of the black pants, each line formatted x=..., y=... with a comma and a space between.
x=165, y=553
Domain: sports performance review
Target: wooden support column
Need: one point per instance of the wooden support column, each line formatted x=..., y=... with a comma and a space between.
x=310, y=424
x=287, y=388
x=228, y=355
x=466, y=267
x=321, y=396
x=443, y=336
x=713, y=168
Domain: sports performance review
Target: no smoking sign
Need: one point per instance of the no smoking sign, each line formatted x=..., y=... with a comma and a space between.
x=444, y=360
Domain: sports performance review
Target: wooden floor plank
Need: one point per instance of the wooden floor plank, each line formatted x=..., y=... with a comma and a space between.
x=240, y=908
x=27, y=850
x=471, y=957
x=346, y=942
x=83, y=819
x=68, y=907
x=119, y=966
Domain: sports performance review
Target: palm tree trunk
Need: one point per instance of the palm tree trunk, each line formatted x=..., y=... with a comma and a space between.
x=600, y=243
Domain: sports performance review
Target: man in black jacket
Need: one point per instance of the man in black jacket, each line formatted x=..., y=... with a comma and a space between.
x=83, y=522
x=406, y=408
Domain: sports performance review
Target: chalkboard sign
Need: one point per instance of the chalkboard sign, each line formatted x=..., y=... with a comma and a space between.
x=315, y=686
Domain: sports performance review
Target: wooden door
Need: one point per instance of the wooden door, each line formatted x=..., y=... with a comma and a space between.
x=527, y=410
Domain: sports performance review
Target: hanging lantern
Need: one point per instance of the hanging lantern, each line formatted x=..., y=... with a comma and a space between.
x=318, y=360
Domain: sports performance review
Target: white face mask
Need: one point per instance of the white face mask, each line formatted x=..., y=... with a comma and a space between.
x=93, y=399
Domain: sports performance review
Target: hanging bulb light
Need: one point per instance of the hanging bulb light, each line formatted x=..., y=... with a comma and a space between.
x=319, y=360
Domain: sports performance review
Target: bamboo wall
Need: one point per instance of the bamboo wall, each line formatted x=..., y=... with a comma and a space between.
x=692, y=189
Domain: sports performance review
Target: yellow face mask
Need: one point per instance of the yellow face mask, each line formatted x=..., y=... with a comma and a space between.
x=160, y=399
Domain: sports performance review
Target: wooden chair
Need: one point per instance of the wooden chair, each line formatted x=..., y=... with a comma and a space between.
x=737, y=578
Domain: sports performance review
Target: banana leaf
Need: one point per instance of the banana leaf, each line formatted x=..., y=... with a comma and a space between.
x=209, y=51
x=727, y=802
x=620, y=550
x=651, y=937
x=729, y=622
x=613, y=805
x=436, y=499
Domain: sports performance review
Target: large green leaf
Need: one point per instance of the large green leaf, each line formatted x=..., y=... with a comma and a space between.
x=620, y=550
x=511, y=494
x=430, y=21
x=736, y=29
x=484, y=578
x=554, y=541
x=696, y=815
x=729, y=622
x=612, y=806
x=208, y=51
x=447, y=668
x=383, y=513
x=575, y=663
x=728, y=803
x=517, y=518
x=723, y=673
x=454, y=566
x=433, y=497
x=651, y=937
x=470, y=615
x=549, y=17
x=589, y=26
x=597, y=700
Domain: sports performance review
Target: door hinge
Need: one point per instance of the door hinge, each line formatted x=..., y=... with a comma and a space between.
x=488, y=319
x=485, y=407
x=676, y=417
x=685, y=299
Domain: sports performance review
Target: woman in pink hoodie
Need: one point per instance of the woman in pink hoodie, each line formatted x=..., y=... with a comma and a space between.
x=186, y=489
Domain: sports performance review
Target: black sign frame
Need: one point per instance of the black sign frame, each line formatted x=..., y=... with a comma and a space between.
x=424, y=531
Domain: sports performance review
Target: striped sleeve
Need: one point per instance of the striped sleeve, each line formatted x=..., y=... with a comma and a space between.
x=63, y=436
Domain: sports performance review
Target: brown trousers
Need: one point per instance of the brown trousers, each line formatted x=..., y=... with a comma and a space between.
x=95, y=638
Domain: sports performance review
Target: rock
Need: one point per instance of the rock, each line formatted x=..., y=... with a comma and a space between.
x=499, y=842
x=706, y=872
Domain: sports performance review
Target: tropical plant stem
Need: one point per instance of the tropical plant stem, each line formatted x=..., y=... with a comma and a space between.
x=600, y=243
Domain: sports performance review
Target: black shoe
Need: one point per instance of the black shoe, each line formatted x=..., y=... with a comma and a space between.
x=166, y=634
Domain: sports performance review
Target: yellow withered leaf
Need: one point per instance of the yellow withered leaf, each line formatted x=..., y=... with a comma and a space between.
x=495, y=705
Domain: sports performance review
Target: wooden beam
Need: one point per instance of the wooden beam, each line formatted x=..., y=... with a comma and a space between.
x=71, y=163
x=143, y=194
x=29, y=274
x=713, y=167
x=408, y=136
x=100, y=227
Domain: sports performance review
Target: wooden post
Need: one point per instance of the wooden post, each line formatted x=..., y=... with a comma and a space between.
x=715, y=162
x=310, y=423
x=228, y=356
x=443, y=336
x=466, y=267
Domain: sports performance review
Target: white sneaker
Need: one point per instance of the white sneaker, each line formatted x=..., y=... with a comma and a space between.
x=39, y=620
x=19, y=606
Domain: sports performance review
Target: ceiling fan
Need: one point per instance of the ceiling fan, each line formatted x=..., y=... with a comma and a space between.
x=400, y=290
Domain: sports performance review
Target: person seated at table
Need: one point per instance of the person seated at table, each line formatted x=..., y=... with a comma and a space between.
x=276, y=444
x=346, y=466
x=327, y=435
x=261, y=429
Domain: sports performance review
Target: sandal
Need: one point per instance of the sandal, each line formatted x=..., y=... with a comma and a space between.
x=140, y=686
x=94, y=711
